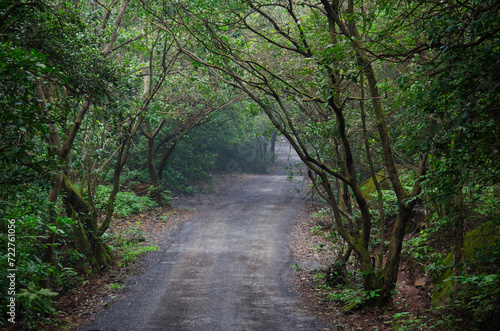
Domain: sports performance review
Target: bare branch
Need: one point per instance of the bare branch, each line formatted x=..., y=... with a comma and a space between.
x=114, y=34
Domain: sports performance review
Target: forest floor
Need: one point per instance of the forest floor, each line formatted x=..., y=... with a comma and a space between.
x=411, y=302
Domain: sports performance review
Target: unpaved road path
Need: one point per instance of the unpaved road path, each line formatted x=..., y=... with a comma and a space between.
x=228, y=268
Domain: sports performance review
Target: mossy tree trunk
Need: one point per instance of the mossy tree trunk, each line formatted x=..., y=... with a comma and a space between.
x=155, y=193
x=90, y=242
x=458, y=229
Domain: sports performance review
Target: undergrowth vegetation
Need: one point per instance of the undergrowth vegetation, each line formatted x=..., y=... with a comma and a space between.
x=454, y=295
x=126, y=202
x=41, y=283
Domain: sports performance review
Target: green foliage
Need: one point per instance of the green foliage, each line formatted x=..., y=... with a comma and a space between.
x=130, y=251
x=473, y=303
x=320, y=248
x=135, y=233
x=31, y=230
x=67, y=277
x=317, y=229
x=35, y=302
x=350, y=293
x=134, y=175
x=408, y=321
x=473, y=296
x=390, y=203
x=115, y=286
x=126, y=203
x=23, y=126
x=478, y=295
x=44, y=46
x=423, y=253
x=296, y=267
x=349, y=296
x=128, y=244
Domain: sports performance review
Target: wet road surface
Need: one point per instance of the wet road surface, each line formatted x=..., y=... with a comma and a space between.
x=228, y=268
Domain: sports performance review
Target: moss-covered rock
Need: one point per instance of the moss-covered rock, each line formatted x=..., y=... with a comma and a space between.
x=476, y=239
x=368, y=186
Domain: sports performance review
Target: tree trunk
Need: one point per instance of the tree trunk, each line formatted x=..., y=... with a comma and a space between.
x=384, y=280
x=273, y=144
x=165, y=155
x=96, y=251
x=380, y=202
x=155, y=193
x=458, y=230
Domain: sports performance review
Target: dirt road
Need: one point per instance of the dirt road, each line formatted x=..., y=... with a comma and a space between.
x=228, y=268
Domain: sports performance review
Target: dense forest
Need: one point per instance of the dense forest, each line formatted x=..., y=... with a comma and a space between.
x=112, y=107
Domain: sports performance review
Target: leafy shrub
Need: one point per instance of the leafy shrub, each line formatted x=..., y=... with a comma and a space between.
x=37, y=302
x=32, y=301
x=408, y=321
x=130, y=251
x=479, y=295
x=126, y=203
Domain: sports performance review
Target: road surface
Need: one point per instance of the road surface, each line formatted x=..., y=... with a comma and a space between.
x=228, y=268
